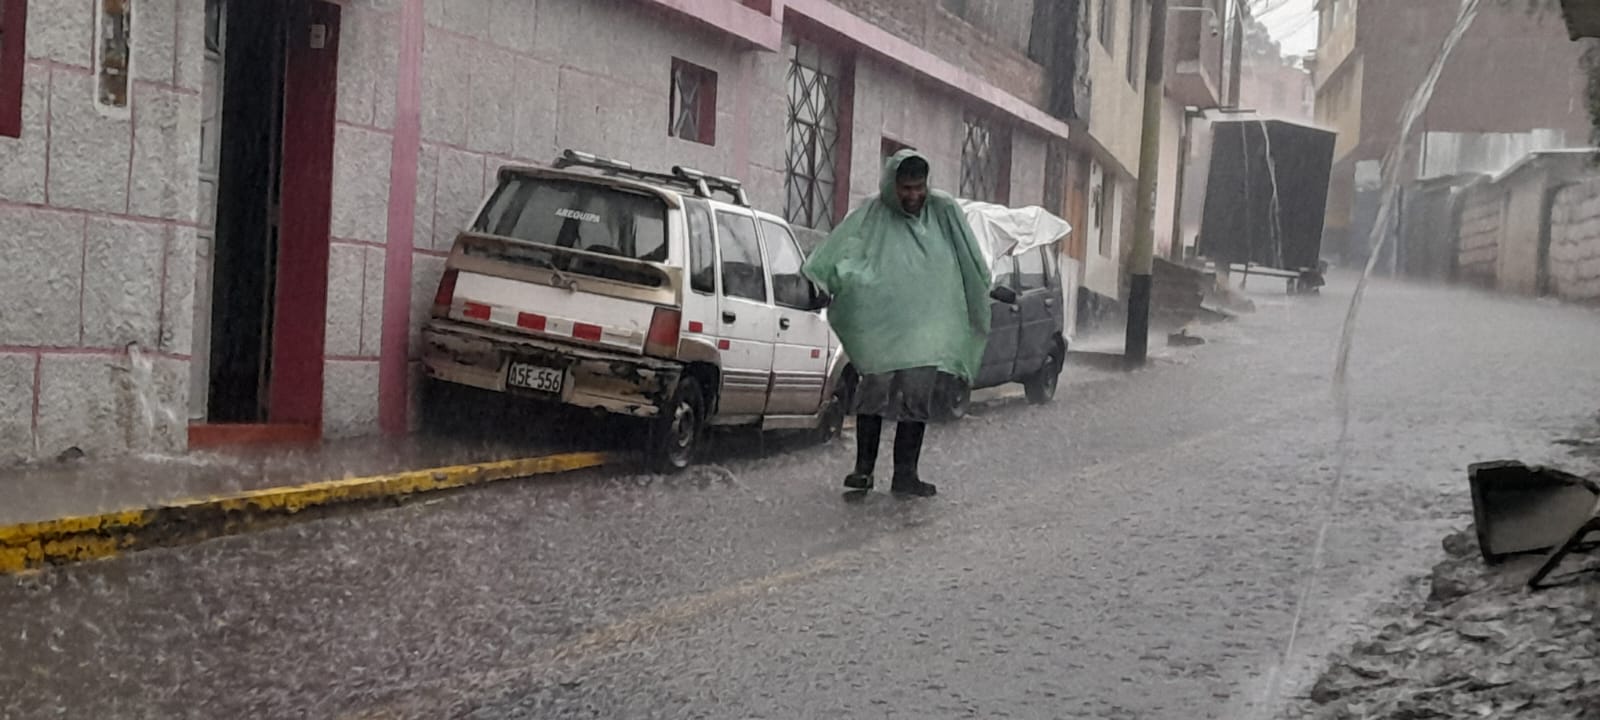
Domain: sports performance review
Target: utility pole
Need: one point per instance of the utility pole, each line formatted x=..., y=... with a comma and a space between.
x=1142, y=260
x=1236, y=60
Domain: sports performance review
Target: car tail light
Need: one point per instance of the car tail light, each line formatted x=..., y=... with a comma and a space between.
x=445, y=295
x=663, y=338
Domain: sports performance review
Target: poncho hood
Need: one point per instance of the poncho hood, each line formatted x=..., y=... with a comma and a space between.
x=891, y=171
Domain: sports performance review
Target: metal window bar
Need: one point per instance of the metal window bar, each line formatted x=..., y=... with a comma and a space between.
x=979, y=163
x=810, y=164
x=685, y=103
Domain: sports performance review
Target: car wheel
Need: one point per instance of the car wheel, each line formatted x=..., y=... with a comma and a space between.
x=676, y=436
x=1041, y=388
x=445, y=408
x=956, y=402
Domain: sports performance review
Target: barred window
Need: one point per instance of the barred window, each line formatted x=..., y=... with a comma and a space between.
x=694, y=103
x=986, y=162
x=815, y=177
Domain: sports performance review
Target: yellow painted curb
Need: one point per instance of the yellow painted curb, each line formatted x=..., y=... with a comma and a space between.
x=74, y=539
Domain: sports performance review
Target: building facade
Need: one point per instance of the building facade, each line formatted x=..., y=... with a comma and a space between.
x=1513, y=85
x=1279, y=88
x=223, y=222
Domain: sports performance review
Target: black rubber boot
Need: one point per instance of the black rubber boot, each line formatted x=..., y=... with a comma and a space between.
x=869, y=431
x=907, y=455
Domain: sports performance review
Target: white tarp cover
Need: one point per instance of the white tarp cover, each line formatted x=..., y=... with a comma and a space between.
x=1003, y=231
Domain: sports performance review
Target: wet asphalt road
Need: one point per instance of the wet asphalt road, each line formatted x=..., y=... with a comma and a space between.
x=1181, y=542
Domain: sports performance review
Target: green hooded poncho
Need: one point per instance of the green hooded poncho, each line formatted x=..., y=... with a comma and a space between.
x=907, y=291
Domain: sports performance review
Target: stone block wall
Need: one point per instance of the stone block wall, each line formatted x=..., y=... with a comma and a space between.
x=359, y=226
x=1478, y=249
x=97, y=228
x=1575, y=242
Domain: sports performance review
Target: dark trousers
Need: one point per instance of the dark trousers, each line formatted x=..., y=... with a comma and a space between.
x=907, y=446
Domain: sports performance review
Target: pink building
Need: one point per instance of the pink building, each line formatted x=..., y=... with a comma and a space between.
x=222, y=221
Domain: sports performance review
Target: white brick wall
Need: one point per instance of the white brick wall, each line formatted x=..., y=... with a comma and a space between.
x=345, y=277
x=89, y=152
x=459, y=191
x=361, y=164
x=40, y=297
x=83, y=404
x=349, y=398
x=16, y=406
x=22, y=160
x=121, y=304
x=96, y=228
x=163, y=183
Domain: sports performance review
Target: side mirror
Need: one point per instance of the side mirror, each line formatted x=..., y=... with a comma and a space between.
x=1003, y=294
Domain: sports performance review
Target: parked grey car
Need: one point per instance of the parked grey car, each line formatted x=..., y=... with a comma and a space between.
x=1027, y=339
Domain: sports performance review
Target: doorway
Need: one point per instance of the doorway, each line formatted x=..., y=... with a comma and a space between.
x=266, y=183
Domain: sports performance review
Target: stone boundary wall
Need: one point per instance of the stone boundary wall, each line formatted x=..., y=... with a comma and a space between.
x=1478, y=246
x=1575, y=242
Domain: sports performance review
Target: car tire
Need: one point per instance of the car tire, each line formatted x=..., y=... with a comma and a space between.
x=445, y=408
x=1041, y=387
x=957, y=402
x=676, y=436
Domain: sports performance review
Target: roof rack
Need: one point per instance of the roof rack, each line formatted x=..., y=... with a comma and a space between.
x=701, y=184
x=706, y=183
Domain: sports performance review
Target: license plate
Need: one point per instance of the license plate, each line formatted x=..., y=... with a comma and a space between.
x=536, y=377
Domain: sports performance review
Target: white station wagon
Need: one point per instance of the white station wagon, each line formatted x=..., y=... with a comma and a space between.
x=596, y=285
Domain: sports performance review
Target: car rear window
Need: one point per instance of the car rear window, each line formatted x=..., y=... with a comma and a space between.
x=578, y=215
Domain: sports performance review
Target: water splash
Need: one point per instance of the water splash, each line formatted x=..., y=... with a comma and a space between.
x=1393, y=160
x=151, y=417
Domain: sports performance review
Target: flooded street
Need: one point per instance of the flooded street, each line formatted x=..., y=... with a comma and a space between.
x=1139, y=549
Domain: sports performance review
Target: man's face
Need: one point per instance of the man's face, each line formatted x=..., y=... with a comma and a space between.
x=913, y=193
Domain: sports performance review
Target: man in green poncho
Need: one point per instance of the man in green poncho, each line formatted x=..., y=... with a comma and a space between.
x=910, y=294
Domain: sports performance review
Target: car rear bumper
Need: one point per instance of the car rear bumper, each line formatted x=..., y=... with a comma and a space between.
x=611, y=381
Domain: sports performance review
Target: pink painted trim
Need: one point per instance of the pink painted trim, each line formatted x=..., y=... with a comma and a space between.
x=169, y=87
x=364, y=126
x=733, y=18
x=900, y=52
x=394, y=345
x=92, y=352
x=96, y=214
x=360, y=359
x=357, y=243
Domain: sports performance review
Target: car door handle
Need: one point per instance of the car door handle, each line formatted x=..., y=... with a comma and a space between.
x=783, y=323
x=1014, y=309
x=730, y=318
x=1049, y=302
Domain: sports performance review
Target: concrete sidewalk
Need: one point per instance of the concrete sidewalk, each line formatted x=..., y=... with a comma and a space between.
x=87, y=486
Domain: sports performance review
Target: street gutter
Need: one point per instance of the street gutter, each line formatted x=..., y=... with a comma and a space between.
x=31, y=545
